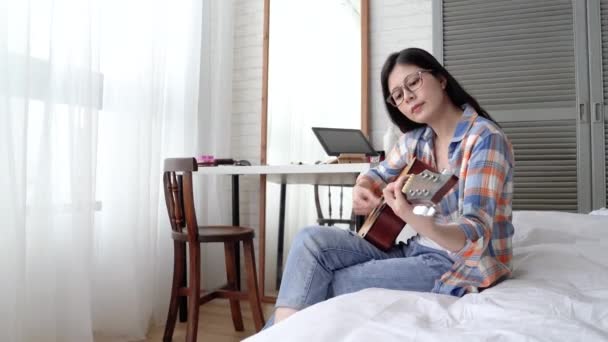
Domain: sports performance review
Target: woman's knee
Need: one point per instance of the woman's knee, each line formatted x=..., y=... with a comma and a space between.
x=316, y=238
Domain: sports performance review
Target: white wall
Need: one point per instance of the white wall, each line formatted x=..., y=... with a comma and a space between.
x=247, y=103
x=394, y=25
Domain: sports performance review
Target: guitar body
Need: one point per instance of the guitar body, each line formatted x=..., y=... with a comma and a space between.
x=384, y=229
x=382, y=225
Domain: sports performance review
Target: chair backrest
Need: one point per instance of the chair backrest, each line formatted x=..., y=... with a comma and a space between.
x=329, y=219
x=179, y=197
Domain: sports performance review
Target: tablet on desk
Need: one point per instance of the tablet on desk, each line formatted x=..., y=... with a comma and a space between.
x=337, y=141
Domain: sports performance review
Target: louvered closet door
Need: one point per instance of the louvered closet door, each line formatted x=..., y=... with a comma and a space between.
x=518, y=58
x=598, y=73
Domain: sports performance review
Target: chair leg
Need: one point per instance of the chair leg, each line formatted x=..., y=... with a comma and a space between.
x=178, y=271
x=252, y=285
x=235, y=305
x=194, y=292
x=182, y=302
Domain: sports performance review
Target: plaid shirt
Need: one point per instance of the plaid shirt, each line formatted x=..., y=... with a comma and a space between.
x=482, y=158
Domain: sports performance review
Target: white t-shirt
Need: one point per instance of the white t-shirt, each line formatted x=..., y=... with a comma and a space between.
x=409, y=234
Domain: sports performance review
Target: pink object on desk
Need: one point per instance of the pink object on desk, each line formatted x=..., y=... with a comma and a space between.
x=205, y=159
x=209, y=160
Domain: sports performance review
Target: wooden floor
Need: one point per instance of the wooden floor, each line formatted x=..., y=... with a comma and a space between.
x=214, y=324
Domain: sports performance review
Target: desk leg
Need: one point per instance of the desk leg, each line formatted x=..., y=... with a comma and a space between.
x=359, y=220
x=281, y=235
x=236, y=222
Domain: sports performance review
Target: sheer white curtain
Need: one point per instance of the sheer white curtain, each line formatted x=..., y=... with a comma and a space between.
x=93, y=96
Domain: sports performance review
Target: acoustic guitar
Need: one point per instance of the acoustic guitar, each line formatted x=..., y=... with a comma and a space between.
x=424, y=188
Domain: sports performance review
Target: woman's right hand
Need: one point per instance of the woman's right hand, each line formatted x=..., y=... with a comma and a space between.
x=364, y=200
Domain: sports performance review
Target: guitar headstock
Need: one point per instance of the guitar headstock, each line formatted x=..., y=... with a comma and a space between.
x=427, y=187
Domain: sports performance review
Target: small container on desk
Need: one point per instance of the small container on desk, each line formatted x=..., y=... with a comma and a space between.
x=350, y=158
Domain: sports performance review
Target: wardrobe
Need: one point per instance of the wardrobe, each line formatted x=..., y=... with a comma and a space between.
x=540, y=68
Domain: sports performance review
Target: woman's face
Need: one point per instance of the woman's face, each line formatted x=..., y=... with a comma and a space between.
x=422, y=104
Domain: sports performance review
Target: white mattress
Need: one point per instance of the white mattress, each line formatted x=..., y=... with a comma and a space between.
x=559, y=292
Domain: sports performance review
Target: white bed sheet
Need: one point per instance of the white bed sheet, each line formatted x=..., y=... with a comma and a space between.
x=559, y=292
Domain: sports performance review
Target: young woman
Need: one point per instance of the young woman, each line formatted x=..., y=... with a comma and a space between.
x=465, y=247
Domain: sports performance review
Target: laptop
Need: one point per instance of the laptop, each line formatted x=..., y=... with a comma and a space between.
x=337, y=141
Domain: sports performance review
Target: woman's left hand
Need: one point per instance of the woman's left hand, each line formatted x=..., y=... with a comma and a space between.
x=402, y=208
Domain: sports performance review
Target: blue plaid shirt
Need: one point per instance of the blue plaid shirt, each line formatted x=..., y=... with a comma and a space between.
x=482, y=157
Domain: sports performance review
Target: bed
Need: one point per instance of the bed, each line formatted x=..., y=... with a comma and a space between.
x=558, y=292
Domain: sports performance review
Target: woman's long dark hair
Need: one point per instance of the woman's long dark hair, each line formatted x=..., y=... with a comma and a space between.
x=424, y=60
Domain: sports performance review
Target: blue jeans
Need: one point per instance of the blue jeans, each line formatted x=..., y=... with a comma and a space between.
x=324, y=262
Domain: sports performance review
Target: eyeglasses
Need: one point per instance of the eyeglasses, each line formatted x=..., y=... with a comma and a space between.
x=411, y=83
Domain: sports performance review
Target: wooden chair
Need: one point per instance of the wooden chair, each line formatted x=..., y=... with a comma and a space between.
x=188, y=235
x=329, y=219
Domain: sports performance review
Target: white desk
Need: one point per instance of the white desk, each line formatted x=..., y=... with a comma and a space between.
x=322, y=174
x=334, y=174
